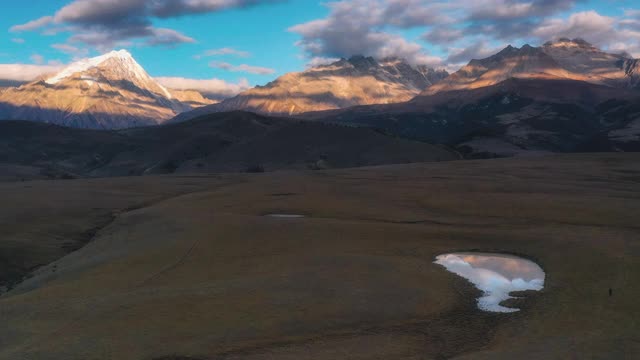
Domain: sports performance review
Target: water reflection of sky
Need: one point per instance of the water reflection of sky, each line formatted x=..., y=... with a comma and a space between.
x=496, y=275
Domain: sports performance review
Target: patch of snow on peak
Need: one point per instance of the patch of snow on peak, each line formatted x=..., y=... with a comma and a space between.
x=86, y=64
x=570, y=44
x=126, y=68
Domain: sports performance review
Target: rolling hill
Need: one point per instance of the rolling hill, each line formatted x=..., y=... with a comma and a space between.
x=226, y=142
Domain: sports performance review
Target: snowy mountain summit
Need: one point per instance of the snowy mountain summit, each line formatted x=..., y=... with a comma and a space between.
x=121, y=56
x=107, y=91
x=112, y=66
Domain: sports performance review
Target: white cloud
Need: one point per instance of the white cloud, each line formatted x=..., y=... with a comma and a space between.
x=460, y=29
x=76, y=52
x=116, y=21
x=162, y=36
x=317, y=61
x=443, y=35
x=477, y=50
x=222, y=52
x=37, y=59
x=516, y=9
x=589, y=25
x=26, y=72
x=357, y=27
x=33, y=24
x=602, y=31
x=215, y=88
x=242, y=68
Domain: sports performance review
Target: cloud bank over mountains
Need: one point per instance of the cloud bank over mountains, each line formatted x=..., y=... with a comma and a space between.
x=435, y=33
x=459, y=29
x=213, y=88
x=26, y=72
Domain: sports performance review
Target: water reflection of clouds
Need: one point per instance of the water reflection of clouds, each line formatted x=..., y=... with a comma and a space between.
x=496, y=275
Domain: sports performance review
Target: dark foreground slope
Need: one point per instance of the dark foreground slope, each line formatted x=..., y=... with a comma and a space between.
x=228, y=142
x=42, y=221
x=514, y=117
x=206, y=276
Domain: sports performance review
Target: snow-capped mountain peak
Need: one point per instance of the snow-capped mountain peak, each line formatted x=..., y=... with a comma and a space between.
x=570, y=44
x=108, y=91
x=115, y=65
x=86, y=64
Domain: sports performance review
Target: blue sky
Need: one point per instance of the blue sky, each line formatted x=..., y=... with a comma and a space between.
x=258, y=40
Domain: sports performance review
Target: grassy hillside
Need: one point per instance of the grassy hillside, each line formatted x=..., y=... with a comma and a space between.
x=207, y=276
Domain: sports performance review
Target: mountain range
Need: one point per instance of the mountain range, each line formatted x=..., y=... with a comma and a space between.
x=562, y=59
x=349, y=82
x=365, y=81
x=564, y=96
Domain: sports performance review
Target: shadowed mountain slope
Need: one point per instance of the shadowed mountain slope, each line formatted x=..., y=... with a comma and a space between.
x=514, y=117
x=565, y=96
x=228, y=142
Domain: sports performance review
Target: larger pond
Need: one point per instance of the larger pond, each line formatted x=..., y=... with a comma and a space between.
x=496, y=275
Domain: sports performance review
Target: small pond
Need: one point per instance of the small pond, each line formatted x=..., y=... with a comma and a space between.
x=496, y=275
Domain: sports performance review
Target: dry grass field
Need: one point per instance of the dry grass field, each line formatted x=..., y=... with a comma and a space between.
x=190, y=268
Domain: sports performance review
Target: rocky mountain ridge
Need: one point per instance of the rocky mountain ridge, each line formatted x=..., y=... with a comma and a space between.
x=563, y=59
x=565, y=96
x=358, y=80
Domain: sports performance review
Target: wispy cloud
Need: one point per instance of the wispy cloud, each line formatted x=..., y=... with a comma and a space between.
x=242, y=68
x=319, y=61
x=479, y=50
x=33, y=24
x=224, y=52
x=75, y=51
x=26, y=72
x=37, y=59
x=168, y=37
